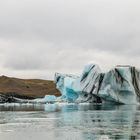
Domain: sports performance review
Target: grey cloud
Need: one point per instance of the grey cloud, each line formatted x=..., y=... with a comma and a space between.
x=64, y=35
x=41, y=57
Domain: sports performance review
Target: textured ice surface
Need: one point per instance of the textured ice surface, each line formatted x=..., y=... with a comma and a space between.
x=119, y=85
x=65, y=84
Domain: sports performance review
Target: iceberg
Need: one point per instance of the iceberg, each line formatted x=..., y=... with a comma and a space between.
x=120, y=85
x=65, y=85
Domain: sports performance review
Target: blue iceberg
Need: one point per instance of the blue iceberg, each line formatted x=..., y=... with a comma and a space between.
x=65, y=85
x=120, y=85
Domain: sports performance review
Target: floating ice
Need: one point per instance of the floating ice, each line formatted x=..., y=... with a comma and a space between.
x=46, y=99
x=50, y=98
x=65, y=84
x=120, y=85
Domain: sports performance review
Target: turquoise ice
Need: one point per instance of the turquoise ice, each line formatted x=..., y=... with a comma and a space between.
x=120, y=85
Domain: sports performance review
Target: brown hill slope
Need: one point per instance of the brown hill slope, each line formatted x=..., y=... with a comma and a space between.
x=27, y=88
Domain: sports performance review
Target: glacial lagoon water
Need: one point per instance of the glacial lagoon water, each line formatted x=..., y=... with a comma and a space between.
x=69, y=122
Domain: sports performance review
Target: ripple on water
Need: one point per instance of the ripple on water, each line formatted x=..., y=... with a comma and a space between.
x=70, y=121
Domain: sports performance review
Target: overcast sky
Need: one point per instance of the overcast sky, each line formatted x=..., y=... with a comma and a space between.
x=41, y=37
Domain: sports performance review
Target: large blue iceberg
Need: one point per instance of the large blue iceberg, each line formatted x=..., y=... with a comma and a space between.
x=120, y=85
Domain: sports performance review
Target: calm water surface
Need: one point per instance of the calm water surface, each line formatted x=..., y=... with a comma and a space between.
x=69, y=122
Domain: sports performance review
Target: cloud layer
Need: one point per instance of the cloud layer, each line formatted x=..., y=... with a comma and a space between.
x=38, y=38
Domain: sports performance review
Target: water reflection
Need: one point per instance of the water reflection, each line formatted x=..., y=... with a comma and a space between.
x=71, y=121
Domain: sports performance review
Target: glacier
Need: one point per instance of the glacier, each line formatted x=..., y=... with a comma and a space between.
x=120, y=85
